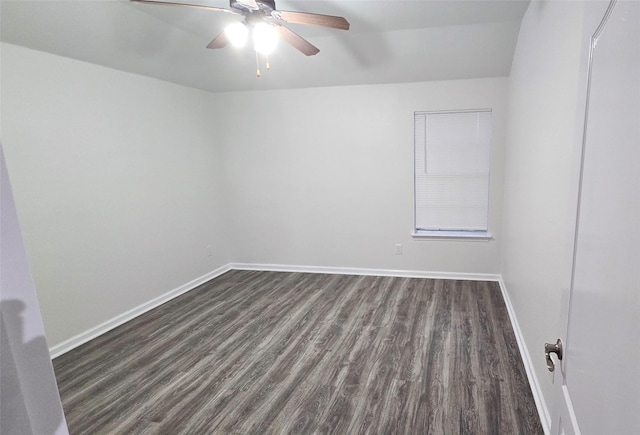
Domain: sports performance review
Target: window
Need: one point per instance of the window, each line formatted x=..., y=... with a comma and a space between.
x=452, y=159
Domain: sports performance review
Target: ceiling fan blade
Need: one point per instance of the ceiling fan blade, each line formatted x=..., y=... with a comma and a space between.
x=313, y=19
x=219, y=41
x=296, y=41
x=208, y=8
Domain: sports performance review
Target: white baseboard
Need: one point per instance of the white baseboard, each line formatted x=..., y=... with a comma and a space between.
x=100, y=329
x=543, y=410
x=368, y=272
x=541, y=405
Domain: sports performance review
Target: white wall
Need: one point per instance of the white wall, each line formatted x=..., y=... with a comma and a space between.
x=122, y=181
x=324, y=177
x=29, y=399
x=545, y=114
x=117, y=185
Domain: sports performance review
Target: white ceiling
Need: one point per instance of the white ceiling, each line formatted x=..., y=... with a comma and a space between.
x=390, y=41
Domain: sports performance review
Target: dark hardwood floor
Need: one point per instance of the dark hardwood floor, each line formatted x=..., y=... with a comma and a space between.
x=270, y=352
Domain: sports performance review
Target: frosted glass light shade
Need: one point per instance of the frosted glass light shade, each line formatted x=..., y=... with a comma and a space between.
x=237, y=34
x=265, y=38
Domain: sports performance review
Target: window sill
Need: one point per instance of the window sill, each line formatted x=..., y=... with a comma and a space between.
x=483, y=236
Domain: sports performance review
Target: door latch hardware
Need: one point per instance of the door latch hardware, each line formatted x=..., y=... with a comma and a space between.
x=550, y=348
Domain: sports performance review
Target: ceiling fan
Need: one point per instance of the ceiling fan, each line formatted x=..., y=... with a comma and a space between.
x=263, y=20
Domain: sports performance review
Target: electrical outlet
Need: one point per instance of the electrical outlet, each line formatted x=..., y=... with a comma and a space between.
x=399, y=249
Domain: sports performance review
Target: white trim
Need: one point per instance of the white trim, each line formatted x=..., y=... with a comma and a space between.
x=437, y=112
x=369, y=272
x=568, y=403
x=541, y=405
x=104, y=327
x=100, y=329
x=473, y=236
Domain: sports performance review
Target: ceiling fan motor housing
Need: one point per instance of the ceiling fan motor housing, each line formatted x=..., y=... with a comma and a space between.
x=266, y=6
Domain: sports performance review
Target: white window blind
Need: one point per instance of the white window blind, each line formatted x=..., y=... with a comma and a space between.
x=452, y=159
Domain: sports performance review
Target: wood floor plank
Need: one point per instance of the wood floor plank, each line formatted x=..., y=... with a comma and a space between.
x=269, y=352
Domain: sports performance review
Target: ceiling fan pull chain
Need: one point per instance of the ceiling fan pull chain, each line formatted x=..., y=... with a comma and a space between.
x=257, y=65
x=268, y=66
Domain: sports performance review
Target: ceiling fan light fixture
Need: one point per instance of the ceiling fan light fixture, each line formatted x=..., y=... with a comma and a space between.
x=265, y=38
x=238, y=34
x=265, y=23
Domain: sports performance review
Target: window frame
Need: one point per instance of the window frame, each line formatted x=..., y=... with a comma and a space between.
x=463, y=234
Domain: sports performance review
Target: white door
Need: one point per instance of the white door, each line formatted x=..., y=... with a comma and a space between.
x=598, y=388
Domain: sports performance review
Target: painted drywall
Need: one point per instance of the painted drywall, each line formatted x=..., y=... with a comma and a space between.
x=540, y=173
x=0, y=81
x=117, y=185
x=324, y=176
x=29, y=399
x=122, y=182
